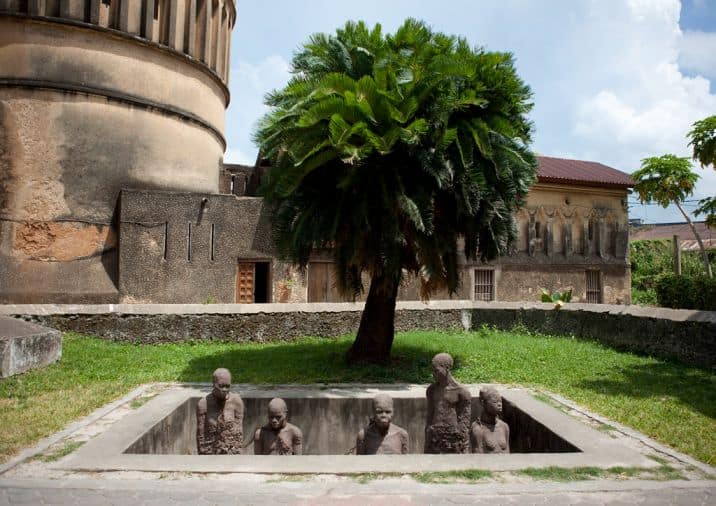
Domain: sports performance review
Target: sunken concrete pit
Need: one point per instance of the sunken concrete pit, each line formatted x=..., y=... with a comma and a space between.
x=161, y=435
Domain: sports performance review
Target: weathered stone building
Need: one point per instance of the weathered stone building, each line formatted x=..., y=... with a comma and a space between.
x=191, y=247
x=96, y=96
x=112, y=186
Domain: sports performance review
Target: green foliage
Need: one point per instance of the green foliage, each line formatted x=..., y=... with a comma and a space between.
x=707, y=207
x=557, y=298
x=565, y=474
x=702, y=138
x=665, y=179
x=385, y=149
x=653, y=258
x=686, y=292
x=66, y=449
x=464, y=475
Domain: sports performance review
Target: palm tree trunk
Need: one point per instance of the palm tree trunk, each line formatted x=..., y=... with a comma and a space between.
x=704, y=255
x=377, y=324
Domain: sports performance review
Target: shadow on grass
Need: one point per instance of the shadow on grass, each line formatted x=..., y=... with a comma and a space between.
x=694, y=388
x=313, y=361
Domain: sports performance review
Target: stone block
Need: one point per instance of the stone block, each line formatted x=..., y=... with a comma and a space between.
x=25, y=346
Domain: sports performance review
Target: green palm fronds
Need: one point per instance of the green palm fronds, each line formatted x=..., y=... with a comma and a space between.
x=398, y=152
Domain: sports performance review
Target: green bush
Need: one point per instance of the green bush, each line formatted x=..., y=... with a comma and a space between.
x=686, y=292
x=652, y=259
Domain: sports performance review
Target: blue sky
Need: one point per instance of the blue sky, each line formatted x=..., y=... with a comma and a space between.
x=614, y=81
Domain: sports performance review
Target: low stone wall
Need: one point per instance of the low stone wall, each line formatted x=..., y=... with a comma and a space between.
x=684, y=335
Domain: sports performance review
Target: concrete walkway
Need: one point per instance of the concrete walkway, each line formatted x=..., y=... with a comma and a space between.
x=390, y=492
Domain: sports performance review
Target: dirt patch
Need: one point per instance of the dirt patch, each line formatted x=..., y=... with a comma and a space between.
x=62, y=241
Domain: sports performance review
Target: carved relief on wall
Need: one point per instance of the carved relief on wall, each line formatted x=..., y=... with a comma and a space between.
x=570, y=230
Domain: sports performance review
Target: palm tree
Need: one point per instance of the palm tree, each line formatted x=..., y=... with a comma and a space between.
x=668, y=179
x=396, y=154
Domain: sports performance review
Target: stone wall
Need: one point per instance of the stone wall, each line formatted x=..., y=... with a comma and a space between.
x=684, y=335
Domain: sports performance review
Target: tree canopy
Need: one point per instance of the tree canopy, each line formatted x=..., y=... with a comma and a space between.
x=396, y=153
x=668, y=179
x=702, y=139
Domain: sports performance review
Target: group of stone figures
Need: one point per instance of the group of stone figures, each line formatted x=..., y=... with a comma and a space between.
x=447, y=429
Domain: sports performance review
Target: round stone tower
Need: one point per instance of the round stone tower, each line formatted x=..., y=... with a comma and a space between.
x=96, y=96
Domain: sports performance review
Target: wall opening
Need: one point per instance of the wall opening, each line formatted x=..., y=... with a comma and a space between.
x=253, y=281
x=484, y=284
x=594, y=287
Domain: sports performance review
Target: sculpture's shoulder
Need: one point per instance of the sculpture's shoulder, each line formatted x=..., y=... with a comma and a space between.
x=361, y=434
x=235, y=400
x=431, y=388
x=463, y=392
x=398, y=431
x=501, y=424
x=257, y=433
x=294, y=429
x=202, y=405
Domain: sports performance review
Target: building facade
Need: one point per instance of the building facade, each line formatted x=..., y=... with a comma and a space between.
x=191, y=247
x=113, y=189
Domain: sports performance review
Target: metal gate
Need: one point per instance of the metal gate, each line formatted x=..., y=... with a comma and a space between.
x=594, y=287
x=484, y=284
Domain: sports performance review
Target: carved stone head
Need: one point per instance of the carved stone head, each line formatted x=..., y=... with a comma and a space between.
x=277, y=413
x=222, y=383
x=382, y=411
x=442, y=365
x=491, y=401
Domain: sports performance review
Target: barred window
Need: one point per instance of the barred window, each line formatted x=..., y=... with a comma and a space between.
x=594, y=287
x=484, y=284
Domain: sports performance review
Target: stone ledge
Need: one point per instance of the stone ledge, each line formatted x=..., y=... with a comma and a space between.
x=25, y=346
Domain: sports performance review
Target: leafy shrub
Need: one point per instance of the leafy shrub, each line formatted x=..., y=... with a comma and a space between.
x=650, y=260
x=686, y=292
x=557, y=298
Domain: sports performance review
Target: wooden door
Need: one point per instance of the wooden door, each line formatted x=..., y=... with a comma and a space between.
x=245, y=283
x=318, y=274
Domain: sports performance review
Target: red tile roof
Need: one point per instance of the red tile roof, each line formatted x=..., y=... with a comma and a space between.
x=579, y=172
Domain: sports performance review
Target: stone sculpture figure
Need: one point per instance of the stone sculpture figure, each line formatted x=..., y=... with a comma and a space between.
x=220, y=418
x=381, y=436
x=489, y=434
x=448, y=422
x=277, y=436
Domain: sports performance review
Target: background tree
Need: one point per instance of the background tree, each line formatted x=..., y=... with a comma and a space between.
x=702, y=138
x=668, y=179
x=396, y=154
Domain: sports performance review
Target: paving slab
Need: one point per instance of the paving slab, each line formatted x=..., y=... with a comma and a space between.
x=388, y=492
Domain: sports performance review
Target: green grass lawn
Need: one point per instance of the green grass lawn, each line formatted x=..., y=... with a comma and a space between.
x=672, y=403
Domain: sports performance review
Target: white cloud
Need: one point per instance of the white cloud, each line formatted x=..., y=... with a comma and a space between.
x=648, y=105
x=698, y=53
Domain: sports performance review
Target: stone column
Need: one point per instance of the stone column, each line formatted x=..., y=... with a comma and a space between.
x=176, y=24
x=601, y=237
x=72, y=9
x=130, y=16
x=531, y=236
x=568, y=237
x=549, y=236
